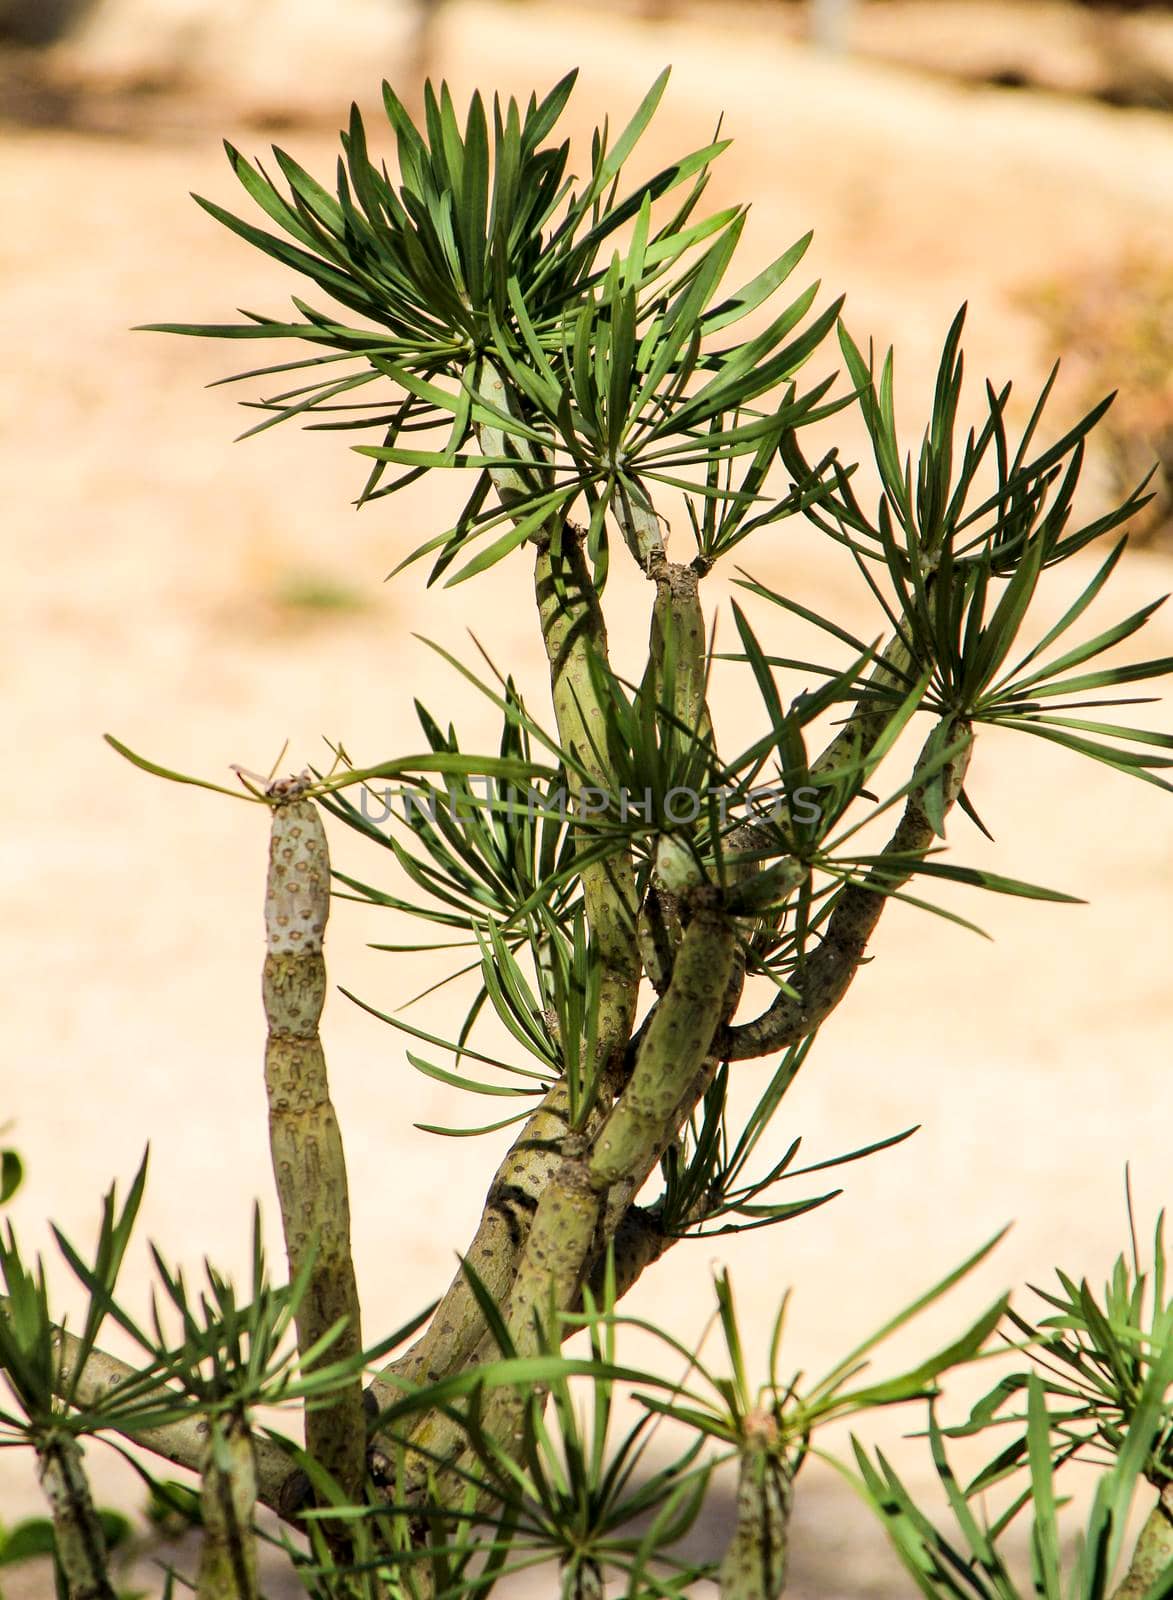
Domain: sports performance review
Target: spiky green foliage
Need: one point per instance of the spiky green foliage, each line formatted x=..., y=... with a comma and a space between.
x=1101, y=1363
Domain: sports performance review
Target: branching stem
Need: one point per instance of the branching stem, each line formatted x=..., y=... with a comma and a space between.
x=830, y=969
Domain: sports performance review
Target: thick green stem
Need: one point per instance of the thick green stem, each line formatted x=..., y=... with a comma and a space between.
x=457, y=1326
x=1153, y=1556
x=564, y=1235
x=679, y=657
x=673, y=1051
x=573, y=631
x=754, y=1566
x=677, y=653
x=308, y=1159
x=678, y=647
x=228, y=1497
x=549, y=1280
x=659, y=935
x=556, y=1253
x=619, y=1202
x=81, y=1547
x=639, y=525
x=514, y=485
x=873, y=711
x=456, y=1337
x=639, y=1241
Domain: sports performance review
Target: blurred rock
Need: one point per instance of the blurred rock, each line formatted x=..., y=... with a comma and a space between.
x=1119, y=52
x=1111, y=326
x=1105, y=54
x=271, y=60
x=38, y=22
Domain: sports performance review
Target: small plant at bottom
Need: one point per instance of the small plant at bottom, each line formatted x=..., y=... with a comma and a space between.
x=1100, y=1391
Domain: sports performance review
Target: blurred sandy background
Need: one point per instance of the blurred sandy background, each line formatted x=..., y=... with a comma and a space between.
x=207, y=603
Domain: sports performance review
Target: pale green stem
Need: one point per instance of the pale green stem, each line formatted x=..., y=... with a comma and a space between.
x=574, y=631
x=1153, y=1556
x=81, y=1547
x=457, y=1326
x=308, y=1160
x=678, y=633
x=678, y=658
x=557, y=1250
x=659, y=935
x=754, y=1565
x=639, y=525
x=671, y=1070
x=572, y=1228
x=565, y=1229
x=228, y=1497
x=673, y=1051
x=871, y=715
x=456, y=1337
x=96, y=1386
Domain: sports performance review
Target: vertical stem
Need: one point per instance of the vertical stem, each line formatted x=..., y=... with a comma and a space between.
x=228, y=1497
x=678, y=658
x=754, y=1566
x=574, y=632
x=593, y=1187
x=457, y=1335
x=556, y=1253
x=582, y=1580
x=551, y=1259
x=81, y=1547
x=639, y=525
x=573, y=629
x=673, y=1051
x=678, y=631
x=549, y=1280
x=308, y=1159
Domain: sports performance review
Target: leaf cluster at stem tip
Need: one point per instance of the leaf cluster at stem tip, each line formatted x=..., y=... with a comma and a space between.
x=504, y=320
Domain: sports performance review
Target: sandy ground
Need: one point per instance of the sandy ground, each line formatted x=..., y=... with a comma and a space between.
x=151, y=575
